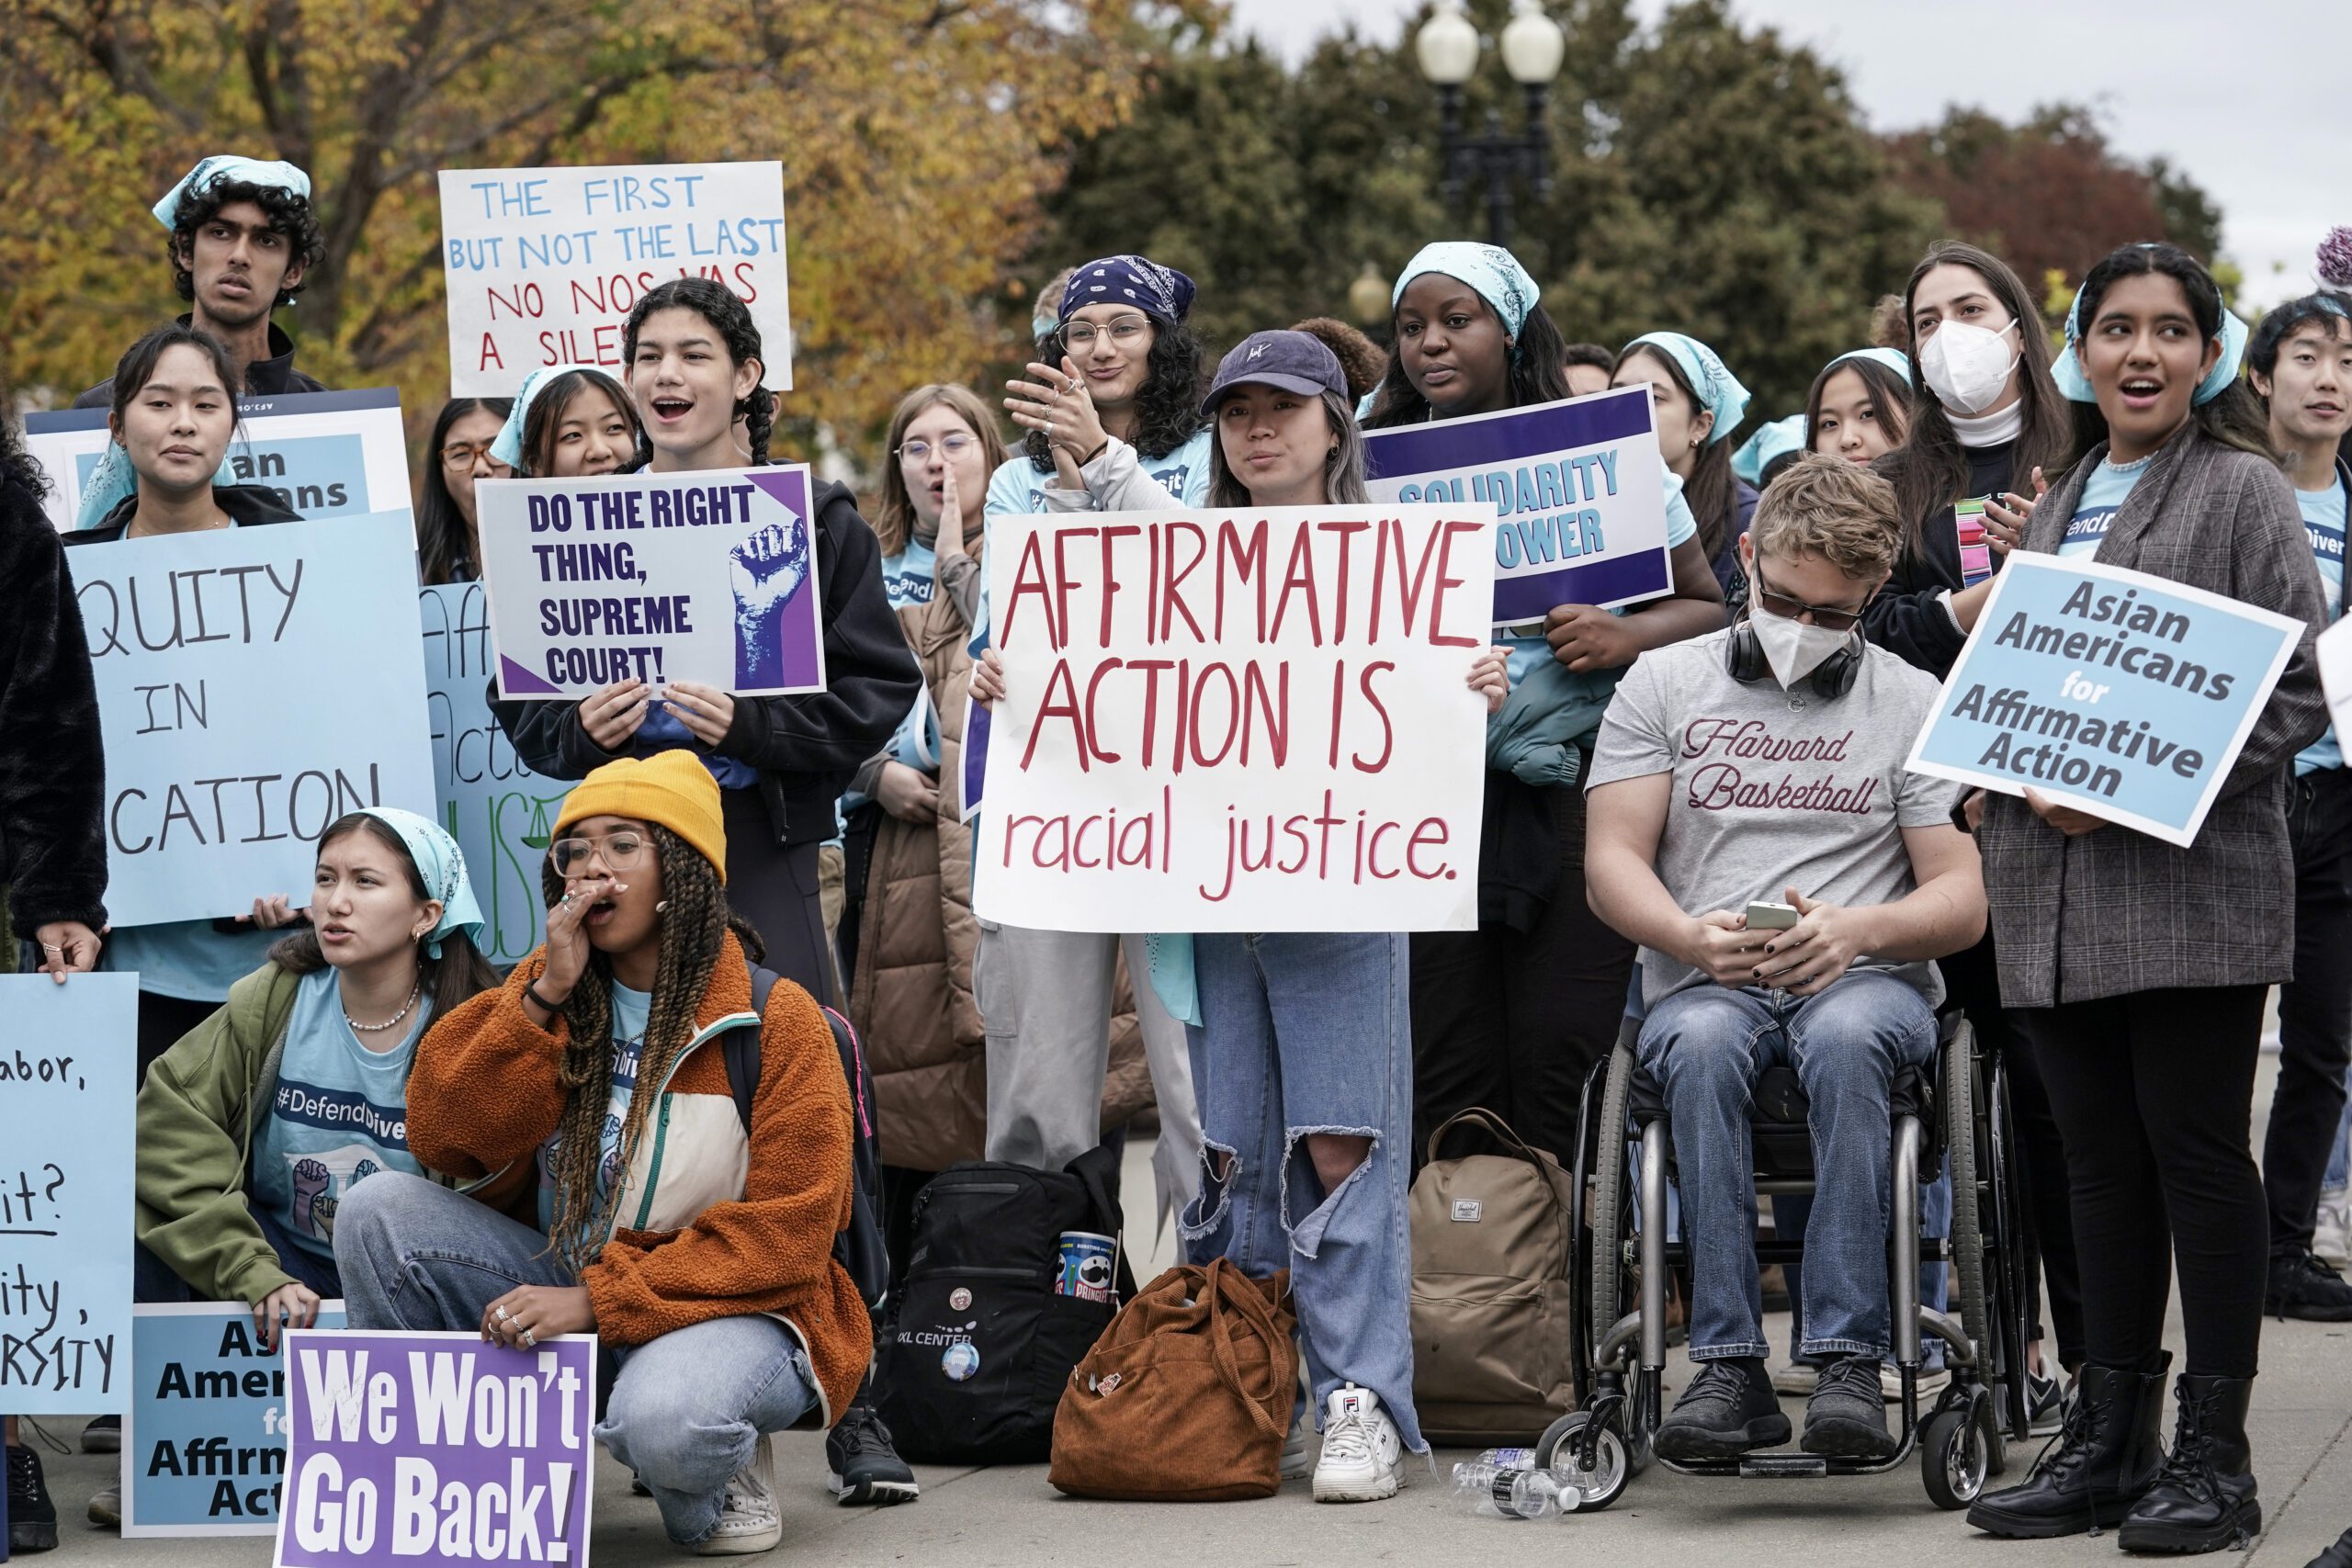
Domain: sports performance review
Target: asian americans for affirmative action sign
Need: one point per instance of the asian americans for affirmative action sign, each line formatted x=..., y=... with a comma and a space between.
x=544, y=265
x=707, y=577
x=2123, y=694
x=1237, y=721
x=1574, y=491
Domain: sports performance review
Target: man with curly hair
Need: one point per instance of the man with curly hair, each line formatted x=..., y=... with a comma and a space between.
x=243, y=238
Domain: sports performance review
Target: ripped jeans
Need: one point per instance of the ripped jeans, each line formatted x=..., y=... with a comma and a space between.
x=1302, y=1034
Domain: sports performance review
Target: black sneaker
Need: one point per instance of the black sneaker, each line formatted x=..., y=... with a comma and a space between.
x=862, y=1466
x=2045, y=1405
x=1847, y=1415
x=32, y=1518
x=1728, y=1410
x=2305, y=1287
x=102, y=1436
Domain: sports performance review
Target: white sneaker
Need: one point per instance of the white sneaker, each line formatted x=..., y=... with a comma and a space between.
x=1930, y=1381
x=1797, y=1378
x=1296, y=1466
x=749, y=1521
x=1363, y=1457
x=2331, y=1242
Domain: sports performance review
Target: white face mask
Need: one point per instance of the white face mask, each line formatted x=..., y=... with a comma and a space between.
x=1793, y=648
x=1967, y=367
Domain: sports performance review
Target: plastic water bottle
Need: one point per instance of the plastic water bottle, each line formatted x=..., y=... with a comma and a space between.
x=1509, y=1492
x=1507, y=1459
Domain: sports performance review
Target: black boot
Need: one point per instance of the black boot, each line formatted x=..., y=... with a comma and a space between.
x=32, y=1518
x=2336, y=1556
x=2105, y=1456
x=2204, y=1500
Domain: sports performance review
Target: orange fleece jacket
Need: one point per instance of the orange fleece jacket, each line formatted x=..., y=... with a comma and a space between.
x=484, y=1095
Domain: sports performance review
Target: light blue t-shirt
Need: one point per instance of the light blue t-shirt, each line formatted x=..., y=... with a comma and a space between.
x=2324, y=518
x=630, y=1011
x=186, y=959
x=1526, y=652
x=2104, y=494
x=340, y=1114
x=907, y=576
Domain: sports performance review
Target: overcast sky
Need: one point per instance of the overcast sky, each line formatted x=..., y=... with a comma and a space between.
x=2272, y=146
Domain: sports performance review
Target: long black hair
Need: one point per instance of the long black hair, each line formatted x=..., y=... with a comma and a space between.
x=461, y=973
x=1168, y=404
x=16, y=464
x=2233, y=418
x=137, y=365
x=445, y=541
x=715, y=303
x=1890, y=396
x=1538, y=372
x=1713, y=490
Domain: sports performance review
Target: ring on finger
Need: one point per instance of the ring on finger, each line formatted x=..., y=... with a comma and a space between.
x=529, y=1339
x=499, y=1312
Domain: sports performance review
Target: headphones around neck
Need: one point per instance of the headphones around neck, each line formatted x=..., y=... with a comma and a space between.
x=1744, y=658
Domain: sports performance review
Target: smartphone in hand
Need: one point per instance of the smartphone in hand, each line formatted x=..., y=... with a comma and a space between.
x=1768, y=916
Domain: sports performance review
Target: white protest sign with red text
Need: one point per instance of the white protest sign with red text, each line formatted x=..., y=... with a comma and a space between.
x=1237, y=721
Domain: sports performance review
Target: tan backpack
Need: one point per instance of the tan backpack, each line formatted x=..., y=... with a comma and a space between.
x=1491, y=1265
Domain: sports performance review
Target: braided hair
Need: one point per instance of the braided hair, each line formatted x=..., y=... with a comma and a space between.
x=693, y=938
x=715, y=303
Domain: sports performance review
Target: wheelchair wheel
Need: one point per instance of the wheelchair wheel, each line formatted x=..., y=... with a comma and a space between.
x=1560, y=1451
x=1967, y=1246
x=1613, y=1198
x=1956, y=1454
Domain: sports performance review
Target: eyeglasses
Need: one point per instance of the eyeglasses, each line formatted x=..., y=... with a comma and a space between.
x=620, y=852
x=1827, y=617
x=951, y=447
x=1081, y=334
x=458, y=457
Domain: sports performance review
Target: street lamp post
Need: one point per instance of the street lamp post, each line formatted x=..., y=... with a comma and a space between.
x=1447, y=47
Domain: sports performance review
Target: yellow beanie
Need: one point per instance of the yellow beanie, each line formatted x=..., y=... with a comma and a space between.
x=669, y=787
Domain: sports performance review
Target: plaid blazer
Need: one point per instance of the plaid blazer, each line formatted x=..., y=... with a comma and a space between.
x=2115, y=911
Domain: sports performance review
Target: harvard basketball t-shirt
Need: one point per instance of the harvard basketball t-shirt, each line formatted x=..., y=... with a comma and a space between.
x=1775, y=788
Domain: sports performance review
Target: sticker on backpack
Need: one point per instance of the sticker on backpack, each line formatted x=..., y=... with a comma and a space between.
x=960, y=1361
x=1467, y=1211
x=958, y=1299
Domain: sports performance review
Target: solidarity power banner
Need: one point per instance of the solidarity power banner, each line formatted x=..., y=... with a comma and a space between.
x=326, y=454
x=254, y=685
x=67, y=1088
x=436, y=1447
x=707, y=576
x=204, y=1444
x=1574, y=491
x=2126, y=695
x=490, y=801
x=1237, y=721
x=545, y=265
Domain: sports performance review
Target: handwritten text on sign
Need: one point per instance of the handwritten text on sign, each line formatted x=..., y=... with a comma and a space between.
x=254, y=685
x=1237, y=721
x=2124, y=694
x=490, y=800
x=707, y=577
x=436, y=1448
x=1574, y=489
x=65, y=1193
x=544, y=265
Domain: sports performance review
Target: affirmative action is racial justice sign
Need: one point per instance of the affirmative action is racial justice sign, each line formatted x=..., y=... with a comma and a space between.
x=1236, y=721
x=436, y=1447
x=544, y=265
x=2123, y=694
x=254, y=685
x=1574, y=489
x=706, y=576
x=67, y=1061
x=326, y=454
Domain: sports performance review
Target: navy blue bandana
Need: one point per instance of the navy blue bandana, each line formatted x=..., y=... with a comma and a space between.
x=1161, y=292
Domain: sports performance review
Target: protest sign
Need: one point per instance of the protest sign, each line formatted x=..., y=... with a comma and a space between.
x=1237, y=721
x=254, y=685
x=326, y=454
x=490, y=801
x=204, y=1444
x=2123, y=694
x=708, y=577
x=544, y=265
x=2335, y=649
x=1573, y=493
x=436, y=1447
x=66, y=1089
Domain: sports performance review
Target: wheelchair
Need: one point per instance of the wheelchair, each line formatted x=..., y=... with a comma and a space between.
x=1958, y=1103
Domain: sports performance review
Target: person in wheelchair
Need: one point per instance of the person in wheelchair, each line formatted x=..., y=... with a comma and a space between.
x=1760, y=763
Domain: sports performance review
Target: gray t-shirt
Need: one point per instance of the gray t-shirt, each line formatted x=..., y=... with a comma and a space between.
x=1775, y=788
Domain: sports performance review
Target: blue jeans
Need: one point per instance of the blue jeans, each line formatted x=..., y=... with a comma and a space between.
x=688, y=1407
x=1705, y=1046
x=1790, y=1212
x=2339, y=1162
x=1304, y=1033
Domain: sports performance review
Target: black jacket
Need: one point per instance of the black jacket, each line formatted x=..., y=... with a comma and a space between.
x=807, y=748
x=1908, y=619
x=248, y=506
x=52, y=757
x=263, y=377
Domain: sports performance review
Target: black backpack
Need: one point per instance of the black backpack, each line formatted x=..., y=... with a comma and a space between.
x=859, y=1249
x=980, y=1344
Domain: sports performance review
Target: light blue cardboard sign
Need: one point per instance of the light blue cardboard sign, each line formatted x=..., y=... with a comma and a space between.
x=204, y=1446
x=67, y=1060
x=254, y=685
x=2126, y=695
x=496, y=807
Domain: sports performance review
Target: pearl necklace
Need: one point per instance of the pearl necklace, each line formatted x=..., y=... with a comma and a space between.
x=414, y=991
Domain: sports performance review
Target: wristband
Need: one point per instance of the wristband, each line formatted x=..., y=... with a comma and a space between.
x=531, y=992
x=1090, y=457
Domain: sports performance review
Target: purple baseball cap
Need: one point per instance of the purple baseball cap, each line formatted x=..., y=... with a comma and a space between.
x=1294, y=362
